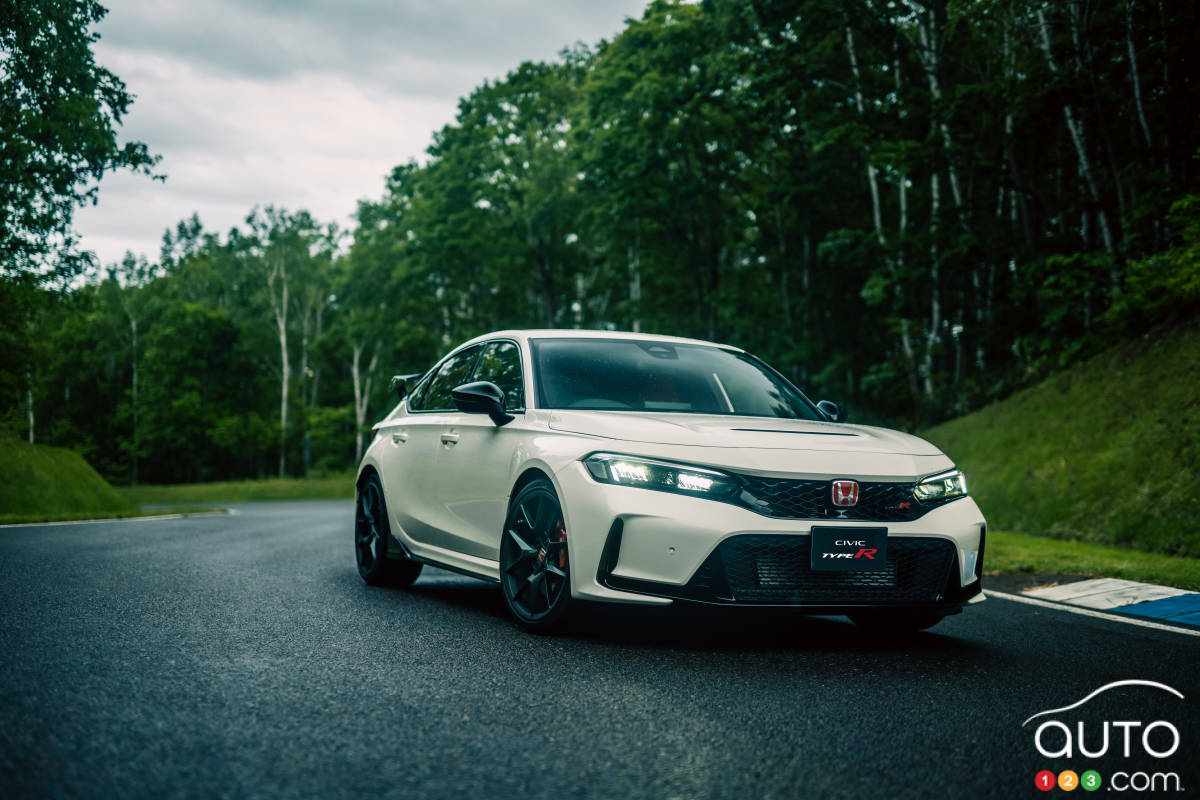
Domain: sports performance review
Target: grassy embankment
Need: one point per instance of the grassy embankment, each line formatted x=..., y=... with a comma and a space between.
x=49, y=484
x=1020, y=552
x=1097, y=466
x=43, y=484
x=338, y=487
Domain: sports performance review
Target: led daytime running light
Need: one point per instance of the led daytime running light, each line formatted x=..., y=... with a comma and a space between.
x=662, y=476
x=944, y=486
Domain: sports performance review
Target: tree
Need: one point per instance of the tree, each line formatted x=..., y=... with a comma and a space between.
x=283, y=250
x=664, y=160
x=59, y=112
x=913, y=207
x=382, y=314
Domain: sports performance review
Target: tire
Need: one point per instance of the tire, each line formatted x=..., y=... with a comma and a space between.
x=371, y=533
x=535, y=575
x=896, y=623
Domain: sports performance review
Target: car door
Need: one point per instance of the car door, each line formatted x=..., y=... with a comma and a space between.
x=413, y=440
x=475, y=459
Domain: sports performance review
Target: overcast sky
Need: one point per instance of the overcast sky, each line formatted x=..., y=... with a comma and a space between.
x=300, y=103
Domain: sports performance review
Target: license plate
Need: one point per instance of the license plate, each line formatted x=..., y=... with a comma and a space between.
x=843, y=549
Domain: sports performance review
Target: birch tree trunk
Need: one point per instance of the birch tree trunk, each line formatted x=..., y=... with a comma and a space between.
x=872, y=173
x=877, y=216
x=1166, y=82
x=1075, y=128
x=1085, y=64
x=316, y=379
x=279, y=306
x=930, y=60
x=1133, y=75
x=133, y=335
x=305, y=325
x=1019, y=193
x=362, y=392
x=935, y=307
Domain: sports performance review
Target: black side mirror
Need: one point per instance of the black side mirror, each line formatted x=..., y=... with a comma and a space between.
x=482, y=397
x=831, y=411
x=399, y=384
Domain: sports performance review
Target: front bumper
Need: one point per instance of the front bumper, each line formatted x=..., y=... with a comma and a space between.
x=641, y=546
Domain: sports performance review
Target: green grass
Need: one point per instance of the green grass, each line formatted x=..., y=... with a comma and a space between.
x=26, y=519
x=39, y=483
x=1018, y=552
x=339, y=487
x=1106, y=452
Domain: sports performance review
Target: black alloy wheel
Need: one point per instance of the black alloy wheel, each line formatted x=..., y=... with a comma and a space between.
x=534, y=568
x=371, y=535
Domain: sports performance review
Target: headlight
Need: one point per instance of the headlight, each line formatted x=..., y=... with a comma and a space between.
x=661, y=475
x=943, y=486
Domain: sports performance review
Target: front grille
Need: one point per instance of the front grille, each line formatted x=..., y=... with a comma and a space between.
x=813, y=499
x=755, y=568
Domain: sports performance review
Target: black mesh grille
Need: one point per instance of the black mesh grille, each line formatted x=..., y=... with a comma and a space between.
x=755, y=568
x=811, y=499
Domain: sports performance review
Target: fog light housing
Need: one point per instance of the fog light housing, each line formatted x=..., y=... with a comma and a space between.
x=970, y=558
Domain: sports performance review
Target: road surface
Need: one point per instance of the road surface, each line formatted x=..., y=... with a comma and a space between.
x=242, y=656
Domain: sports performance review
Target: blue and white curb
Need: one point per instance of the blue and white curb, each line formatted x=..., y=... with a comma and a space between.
x=1145, y=600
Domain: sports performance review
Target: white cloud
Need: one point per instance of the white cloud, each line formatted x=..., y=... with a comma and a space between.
x=300, y=105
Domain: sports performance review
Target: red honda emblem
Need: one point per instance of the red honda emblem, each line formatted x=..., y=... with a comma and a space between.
x=845, y=493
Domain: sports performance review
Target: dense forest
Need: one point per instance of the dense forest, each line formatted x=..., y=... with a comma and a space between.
x=911, y=208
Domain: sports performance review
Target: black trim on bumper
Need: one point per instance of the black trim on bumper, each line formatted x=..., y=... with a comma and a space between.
x=772, y=570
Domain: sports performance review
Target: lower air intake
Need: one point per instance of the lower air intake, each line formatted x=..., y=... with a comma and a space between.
x=773, y=570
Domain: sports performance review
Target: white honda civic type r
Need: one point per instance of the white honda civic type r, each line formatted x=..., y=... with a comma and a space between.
x=628, y=468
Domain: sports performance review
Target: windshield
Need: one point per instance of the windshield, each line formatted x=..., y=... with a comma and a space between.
x=646, y=375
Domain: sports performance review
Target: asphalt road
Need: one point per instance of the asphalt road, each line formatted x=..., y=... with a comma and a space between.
x=242, y=656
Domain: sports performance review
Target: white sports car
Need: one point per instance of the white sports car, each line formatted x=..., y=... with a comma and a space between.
x=628, y=468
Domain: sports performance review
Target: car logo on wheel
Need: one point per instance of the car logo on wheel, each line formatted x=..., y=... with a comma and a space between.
x=845, y=493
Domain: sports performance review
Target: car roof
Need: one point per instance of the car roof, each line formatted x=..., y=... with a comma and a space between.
x=573, y=333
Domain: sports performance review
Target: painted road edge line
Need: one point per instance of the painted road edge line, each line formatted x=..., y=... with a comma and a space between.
x=155, y=518
x=1088, y=612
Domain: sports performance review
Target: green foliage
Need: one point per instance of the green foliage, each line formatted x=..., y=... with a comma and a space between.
x=194, y=375
x=1018, y=552
x=1166, y=283
x=335, y=487
x=38, y=482
x=913, y=210
x=59, y=111
x=1103, y=452
x=332, y=437
x=1071, y=291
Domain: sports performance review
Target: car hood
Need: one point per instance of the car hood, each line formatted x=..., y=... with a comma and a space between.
x=758, y=433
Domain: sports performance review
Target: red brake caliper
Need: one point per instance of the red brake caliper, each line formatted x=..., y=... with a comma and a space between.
x=560, y=535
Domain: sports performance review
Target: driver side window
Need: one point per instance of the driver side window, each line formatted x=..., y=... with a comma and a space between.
x=501, y=364
x=416, y=398
x=455, y=371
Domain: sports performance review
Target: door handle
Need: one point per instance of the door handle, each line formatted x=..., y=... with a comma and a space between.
x=399, y=437
x=449, y=439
